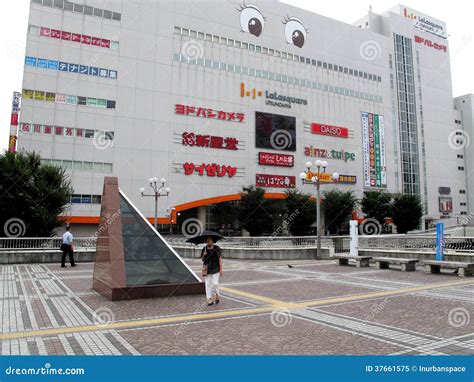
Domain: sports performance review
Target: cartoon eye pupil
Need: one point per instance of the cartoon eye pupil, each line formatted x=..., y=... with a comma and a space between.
x=298, y=39
x=255, y=27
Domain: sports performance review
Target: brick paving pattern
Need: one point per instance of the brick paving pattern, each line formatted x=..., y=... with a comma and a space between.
x=316, y=307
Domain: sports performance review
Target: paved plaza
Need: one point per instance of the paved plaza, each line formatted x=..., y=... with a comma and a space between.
x=315, y=307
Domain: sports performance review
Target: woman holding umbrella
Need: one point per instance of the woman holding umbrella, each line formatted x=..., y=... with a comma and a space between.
x=211, y=263
x=211, y=270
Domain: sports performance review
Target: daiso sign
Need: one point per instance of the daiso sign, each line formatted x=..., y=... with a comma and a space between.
x=332, y=131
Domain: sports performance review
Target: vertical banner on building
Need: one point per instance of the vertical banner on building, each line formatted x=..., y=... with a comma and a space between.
x=373, y=146
x=365, y=148
x=439, y=241
x=354, y=244
x=383, y=164
x=14, y=122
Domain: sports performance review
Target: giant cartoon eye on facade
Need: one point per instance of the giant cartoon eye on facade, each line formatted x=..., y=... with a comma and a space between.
x=295, y=32
x=251, y=19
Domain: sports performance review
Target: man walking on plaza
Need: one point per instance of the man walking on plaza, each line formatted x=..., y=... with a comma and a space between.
x=67, y=248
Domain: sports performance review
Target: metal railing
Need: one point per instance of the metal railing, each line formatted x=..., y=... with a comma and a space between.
x=49, y=243
x=260, y=242
x=406, y=242
x=339, y=243
x=43, y=243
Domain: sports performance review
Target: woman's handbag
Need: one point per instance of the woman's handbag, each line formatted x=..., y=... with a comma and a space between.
x=63, y=247
x=204, y=271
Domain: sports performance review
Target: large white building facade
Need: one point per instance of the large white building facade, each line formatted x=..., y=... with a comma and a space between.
x=216, y=95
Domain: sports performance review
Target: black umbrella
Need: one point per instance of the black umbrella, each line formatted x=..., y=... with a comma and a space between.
x=201, y=238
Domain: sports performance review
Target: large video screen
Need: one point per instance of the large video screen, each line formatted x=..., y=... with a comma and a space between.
x=273, y=131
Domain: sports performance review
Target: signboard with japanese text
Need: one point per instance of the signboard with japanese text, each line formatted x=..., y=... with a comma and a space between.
x=274, y=159
x=277, y=181
x=373, y=149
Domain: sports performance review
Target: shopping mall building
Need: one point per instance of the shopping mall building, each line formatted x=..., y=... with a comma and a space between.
x=215, y=95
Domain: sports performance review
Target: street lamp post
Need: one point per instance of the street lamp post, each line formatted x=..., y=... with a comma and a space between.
x=158, y=190
x=315, y=179
x=169, y=214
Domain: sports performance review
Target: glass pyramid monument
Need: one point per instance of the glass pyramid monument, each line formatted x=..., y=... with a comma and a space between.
x=132, y=259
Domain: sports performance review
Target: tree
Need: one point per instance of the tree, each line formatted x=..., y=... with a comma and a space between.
x=301, y=212
x=377, y=205
x=255, y=213
x=406, y=212
x=33, y=195
x=337, y=207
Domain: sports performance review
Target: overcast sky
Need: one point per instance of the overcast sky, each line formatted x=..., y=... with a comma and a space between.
x=456, y=13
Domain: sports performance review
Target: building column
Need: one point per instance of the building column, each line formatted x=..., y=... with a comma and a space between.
x=201, y=215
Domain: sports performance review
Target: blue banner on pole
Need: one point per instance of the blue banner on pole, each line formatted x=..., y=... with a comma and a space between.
x=439, y=241
x=237, y=368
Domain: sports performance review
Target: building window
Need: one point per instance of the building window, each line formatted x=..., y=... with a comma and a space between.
x=79, y=8
x=462, y=191
x=460, y=168
x=460, y=156
x=462, y=204
x=33, y=30
x=80, y=166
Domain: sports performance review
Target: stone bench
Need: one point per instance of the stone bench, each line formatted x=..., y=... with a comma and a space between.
x=407, y=265
x=361, y=261
x=434, y=266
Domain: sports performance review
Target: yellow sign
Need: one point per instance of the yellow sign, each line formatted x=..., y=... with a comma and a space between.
x=324, y=177
x=12, y=144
